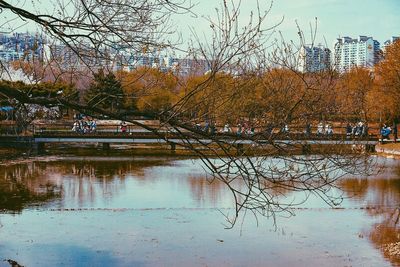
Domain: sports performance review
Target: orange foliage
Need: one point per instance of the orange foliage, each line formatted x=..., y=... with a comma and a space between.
x=352, y=90
x=387, y=91
x=149, y=89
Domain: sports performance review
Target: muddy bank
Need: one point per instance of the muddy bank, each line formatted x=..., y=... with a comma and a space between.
x=13, y=154
x=10, y=156
x=391, y=150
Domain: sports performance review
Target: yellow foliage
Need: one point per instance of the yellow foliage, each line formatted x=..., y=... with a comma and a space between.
x=149, y=89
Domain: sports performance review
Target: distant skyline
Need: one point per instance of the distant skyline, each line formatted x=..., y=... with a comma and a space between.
x=336, y=18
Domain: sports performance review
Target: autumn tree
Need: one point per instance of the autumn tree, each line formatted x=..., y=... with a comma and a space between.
x=149, y=89
x=387, y=91
x=352, y=90
x=215, y=102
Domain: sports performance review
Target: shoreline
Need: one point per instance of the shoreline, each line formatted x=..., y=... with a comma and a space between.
x=391, y=150
x=15, y=156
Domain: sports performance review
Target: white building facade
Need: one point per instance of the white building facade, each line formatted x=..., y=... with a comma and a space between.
x=362, y=52
x=314, y=58
x=390, y=42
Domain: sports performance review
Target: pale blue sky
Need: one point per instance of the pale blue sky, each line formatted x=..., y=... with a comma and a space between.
x=377, y=18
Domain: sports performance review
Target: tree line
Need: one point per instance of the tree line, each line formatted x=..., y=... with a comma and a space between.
x=266, y=95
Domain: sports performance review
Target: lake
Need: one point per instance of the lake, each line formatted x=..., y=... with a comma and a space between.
x=163, y=211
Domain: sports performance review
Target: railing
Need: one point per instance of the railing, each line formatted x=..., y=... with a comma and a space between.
x=66, y=129
x=261, y=136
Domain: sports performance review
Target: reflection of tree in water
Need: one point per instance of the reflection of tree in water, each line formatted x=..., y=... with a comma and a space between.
x=90, y=180
x=206, y=189
x=82, y=180
x=355, y=188
x=19, y=188
x=382, y=197
x=18, y=196
x=386, y=235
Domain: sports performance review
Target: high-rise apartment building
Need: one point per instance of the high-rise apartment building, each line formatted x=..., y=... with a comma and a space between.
x=21, y=46
x=389, y=42
x=363, y=52
x=314, y=58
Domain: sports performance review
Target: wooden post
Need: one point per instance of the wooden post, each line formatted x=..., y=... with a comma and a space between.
x=370, y=148
x=240, y=149
x=39, y=147
x=173, y=147
x=106, y=146
x=306, y=149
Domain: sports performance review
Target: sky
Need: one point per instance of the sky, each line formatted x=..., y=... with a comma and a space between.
x=336, y=18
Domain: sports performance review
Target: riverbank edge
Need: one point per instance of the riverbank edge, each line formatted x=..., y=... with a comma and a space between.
x=388, y=150
x=383, y=150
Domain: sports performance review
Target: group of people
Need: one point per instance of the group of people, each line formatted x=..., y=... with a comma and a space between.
x=358, y=129
x=84, y=126
x=244, y=129
x=324, y=129
x=89, y=125
x=208, y=128
x=241, y=129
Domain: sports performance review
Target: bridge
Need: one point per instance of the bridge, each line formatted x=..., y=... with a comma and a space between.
x=173, y=139
x=40, y=136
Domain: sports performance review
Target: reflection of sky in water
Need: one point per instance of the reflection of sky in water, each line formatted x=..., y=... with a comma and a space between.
x=114, y=183
x=156, y=212
x=185, y=238
x=143, y=183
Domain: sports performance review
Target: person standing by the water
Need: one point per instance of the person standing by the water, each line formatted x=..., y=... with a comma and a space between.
x=308, y=130
x=385, y=132
x=93, y=125
x=349, y=130
x=320, y=129
x=226, y=129
x=239, y=130
x=123, y=127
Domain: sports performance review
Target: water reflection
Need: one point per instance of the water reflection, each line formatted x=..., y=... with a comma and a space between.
x=156, y=183
x=19, y=190
x=101, y=182
x=380, y=196
x=205, y=189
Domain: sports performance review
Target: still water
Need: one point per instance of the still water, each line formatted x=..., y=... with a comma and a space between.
x=160, y=211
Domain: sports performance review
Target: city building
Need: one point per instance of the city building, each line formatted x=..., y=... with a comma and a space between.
x=348, y=52
x=8, y=55
x=21, y=46
x=314, y=58
x=129, y=60
x=389, y=42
